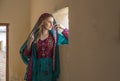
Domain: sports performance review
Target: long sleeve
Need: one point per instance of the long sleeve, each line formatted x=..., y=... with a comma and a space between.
x=27, y=52
x=23, y=56
x=63, y=37
x=65, y=33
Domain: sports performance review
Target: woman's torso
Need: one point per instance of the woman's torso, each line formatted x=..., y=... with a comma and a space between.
x=44, y=48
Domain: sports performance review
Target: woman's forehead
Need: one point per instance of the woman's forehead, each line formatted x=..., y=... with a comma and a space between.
x=50, y=19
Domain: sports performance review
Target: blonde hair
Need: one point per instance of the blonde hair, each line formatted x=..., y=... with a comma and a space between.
x=38, y=34
x=40, y=22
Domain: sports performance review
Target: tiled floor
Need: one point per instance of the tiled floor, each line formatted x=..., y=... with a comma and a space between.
x=2, y=66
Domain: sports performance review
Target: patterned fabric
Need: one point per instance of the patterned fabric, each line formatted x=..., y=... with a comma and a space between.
x=48, y=44
x=44, y=70
x=45, y=47
x=29, y=75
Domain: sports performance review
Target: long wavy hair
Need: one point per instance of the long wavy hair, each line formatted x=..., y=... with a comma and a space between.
x=40, y=25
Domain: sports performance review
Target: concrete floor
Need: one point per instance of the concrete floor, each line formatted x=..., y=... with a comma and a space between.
x=2, y=66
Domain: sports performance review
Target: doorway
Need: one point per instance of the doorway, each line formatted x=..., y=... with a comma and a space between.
x=4, y=52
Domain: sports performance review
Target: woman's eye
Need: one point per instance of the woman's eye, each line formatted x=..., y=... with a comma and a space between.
x=49, y=21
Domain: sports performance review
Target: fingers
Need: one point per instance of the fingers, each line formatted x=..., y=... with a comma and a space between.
x=58, y=26
x=31, y=38
x=31, y=34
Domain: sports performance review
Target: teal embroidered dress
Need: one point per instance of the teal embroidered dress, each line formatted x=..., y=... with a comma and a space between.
x=43, y=59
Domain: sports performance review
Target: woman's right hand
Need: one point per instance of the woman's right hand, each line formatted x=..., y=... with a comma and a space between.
x=30, y=40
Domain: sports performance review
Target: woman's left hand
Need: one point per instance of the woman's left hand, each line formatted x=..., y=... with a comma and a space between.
x=59, y=26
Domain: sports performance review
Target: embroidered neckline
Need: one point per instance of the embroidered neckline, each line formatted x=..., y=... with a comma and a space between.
x=45, y=38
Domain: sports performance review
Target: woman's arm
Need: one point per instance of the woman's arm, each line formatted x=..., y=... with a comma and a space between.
x=27, y=50
x=65, y=33
x=63, y=37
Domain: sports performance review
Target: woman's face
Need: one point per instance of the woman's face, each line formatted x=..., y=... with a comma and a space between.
x=48, y=23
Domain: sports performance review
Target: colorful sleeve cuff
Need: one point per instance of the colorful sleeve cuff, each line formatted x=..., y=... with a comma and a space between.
x=27, y=52
x=65, y=33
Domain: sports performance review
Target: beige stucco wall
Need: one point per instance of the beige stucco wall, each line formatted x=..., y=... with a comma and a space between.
x=39, y=6
x=95, y=40
x=16, y=13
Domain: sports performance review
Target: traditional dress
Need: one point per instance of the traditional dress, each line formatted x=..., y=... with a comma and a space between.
x=43, y=59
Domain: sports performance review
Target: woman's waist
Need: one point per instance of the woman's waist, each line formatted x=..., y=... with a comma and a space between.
x=44, y=54
x=46, y=60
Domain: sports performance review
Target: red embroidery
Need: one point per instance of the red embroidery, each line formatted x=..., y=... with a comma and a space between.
x=45, y=47
x=49, y=44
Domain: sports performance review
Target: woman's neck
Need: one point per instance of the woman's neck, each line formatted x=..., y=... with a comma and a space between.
x=45, y=32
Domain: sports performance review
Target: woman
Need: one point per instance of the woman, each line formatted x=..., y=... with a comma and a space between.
x=40, y=52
